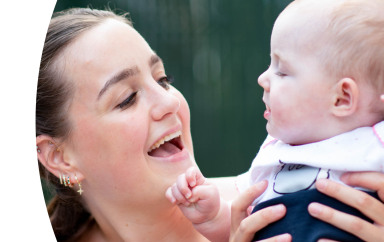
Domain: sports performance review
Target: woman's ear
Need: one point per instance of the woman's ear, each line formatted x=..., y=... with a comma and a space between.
x=345, y=97
x=50, y=155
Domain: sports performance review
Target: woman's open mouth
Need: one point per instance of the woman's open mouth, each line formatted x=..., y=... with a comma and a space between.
x=167, y=146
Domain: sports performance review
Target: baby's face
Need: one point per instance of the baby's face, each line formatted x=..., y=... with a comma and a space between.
x=296, y=88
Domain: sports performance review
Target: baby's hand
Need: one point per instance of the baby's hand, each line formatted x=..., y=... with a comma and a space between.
x=181, y=191
x=197, y=198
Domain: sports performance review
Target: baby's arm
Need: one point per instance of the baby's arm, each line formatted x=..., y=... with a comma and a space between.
x=199, y=200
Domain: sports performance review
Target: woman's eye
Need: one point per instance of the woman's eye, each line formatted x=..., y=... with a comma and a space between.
x=129, y=101
x=165, y=81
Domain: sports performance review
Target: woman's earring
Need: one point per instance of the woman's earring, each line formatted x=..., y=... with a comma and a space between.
x=38, y=149
x=69, y=182
x=61, y=179
x=79, y=184
x=64, y=182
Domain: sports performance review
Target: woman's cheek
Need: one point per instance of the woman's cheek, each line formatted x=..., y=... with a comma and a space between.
x=184, y=114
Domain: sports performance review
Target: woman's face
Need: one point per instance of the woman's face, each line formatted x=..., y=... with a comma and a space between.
x=122, y=107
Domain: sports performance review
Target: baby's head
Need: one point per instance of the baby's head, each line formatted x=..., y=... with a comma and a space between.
x=327, y=69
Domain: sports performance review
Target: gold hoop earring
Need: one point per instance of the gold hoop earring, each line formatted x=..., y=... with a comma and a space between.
x=61, y=179
x=80, y=191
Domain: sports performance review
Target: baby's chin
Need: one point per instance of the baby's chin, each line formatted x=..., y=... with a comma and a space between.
x=290, y=139
x=298, y=141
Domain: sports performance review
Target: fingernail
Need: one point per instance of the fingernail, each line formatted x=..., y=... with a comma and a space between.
x=264, y=183
x=261, y=185
x=321, y=184
x=284, y=238
x=278, y=209
x=193, y=183
x=315, y=209
x=188, y=195
x=249, y=210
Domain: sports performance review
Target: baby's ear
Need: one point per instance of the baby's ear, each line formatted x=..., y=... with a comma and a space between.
x=345, y=97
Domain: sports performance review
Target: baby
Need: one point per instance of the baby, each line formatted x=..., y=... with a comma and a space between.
x=324, y=117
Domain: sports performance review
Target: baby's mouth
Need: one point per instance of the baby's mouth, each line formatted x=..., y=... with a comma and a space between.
x=167, y=146
x=267, y=112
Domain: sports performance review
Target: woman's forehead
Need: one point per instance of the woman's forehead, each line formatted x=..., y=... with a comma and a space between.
x=110, y=37
x=120, y=46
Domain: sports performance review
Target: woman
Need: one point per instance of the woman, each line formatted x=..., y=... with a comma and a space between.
x=104, y=105
x=111, y=133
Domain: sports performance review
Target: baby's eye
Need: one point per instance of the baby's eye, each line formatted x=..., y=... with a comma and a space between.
x=281, y=74
x=165, y=81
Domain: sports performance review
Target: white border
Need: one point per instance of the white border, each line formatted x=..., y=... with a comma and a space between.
x=23, y=25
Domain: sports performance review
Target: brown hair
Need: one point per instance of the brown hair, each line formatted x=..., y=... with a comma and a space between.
x=67, y=213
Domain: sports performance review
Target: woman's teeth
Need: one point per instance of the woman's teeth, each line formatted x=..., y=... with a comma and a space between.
x=165, y=139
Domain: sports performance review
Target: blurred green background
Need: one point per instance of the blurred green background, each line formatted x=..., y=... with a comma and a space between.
x=215, y=50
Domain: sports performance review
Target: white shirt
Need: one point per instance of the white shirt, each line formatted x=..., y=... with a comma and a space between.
x=290, y=168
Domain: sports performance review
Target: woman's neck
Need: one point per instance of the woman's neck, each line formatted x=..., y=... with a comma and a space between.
x=162, y=224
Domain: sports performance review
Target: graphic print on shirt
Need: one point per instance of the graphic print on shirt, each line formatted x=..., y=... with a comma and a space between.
x=297, y=177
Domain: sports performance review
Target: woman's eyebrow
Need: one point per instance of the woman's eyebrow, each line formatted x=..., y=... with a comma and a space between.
x=127, y=73
x=124, y=74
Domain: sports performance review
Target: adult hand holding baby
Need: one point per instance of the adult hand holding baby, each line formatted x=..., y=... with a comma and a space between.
x=244, y=227
x=365, y=203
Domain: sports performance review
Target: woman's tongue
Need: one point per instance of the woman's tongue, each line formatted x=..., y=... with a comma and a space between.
x=165, y=150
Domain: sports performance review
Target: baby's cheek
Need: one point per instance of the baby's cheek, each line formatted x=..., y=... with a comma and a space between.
x=282, y=122
x=277, y=112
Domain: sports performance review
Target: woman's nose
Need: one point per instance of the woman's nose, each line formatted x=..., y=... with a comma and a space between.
x=264, y=81
x=164, y=102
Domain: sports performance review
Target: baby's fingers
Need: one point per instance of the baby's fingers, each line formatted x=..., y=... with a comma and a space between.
x=169, y=195
x=194, y=177
x=183, y=187
x=207, y=194
x=180, y=199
